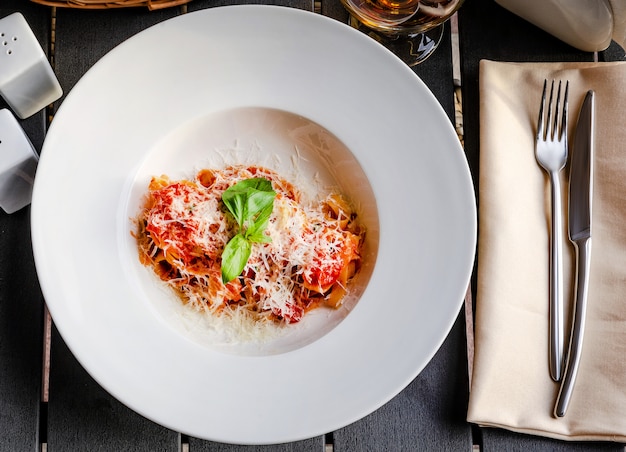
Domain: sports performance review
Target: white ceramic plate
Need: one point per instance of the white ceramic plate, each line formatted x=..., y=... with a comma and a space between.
x=301, y=93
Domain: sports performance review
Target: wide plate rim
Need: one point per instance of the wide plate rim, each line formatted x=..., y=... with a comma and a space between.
x=68, y=321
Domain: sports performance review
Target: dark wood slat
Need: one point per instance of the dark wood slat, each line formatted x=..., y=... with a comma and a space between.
x=21, y=302
x=81, y=415
x=488, y=31
x=21, y=336
x=495, y=440
x=310, y=445
x=613, y=53
x=334, y=9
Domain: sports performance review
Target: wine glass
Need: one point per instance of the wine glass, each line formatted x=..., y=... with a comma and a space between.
x=412, y=29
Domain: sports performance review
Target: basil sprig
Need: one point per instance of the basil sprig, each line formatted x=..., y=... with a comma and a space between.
x=250, y=201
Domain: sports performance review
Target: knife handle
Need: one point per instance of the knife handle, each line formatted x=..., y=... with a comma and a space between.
x=583, y=260
x=556, y=328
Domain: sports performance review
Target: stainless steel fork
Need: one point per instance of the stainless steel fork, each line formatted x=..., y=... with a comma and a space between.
x=551, y=154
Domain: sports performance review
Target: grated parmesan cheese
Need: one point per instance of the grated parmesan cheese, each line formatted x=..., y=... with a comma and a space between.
x=313, y=252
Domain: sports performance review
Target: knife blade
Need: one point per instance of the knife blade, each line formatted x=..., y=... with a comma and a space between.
x=580, y=201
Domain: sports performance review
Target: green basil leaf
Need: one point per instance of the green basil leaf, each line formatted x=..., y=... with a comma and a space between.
x=258, y=183
x=247, y=197
x=235, y=203
x=258, y=201
x=260, y=205
x=255, y=230
x=234, y=257
x=242, y=188
x=251, y=202
x=258, y=237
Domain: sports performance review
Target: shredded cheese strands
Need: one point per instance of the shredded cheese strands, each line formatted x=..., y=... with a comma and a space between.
x=313, y=252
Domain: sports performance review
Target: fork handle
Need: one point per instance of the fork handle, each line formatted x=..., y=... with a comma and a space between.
x=556, y=282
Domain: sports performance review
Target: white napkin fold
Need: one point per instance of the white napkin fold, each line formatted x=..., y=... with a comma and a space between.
x=511, y=386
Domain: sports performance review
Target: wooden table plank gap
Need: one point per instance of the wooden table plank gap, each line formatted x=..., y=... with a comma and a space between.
x=469, y=333
x=477, y=438
x=43, y=425
x=51, y=56
x=45, y=380
x=45, y=374
x=184, y=442
x=53, y=28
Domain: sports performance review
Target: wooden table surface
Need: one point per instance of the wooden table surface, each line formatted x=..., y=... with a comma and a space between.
x=49, y=402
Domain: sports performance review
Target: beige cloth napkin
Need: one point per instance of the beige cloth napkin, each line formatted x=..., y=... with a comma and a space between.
x=511, y=385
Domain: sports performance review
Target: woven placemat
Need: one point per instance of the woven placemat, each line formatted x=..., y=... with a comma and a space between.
x=102, y=4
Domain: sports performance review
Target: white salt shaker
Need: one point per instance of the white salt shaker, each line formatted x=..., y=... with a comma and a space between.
x=18, y=164
x=27, y=82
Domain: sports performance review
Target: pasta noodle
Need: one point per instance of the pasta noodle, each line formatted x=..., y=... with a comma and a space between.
x=313, y=252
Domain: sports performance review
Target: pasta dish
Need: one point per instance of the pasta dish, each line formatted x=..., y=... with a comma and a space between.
x=305, y=256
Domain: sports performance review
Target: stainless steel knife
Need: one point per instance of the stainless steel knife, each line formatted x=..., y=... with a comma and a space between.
x=580, y=200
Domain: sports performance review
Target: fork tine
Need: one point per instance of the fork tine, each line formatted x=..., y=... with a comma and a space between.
x=547, y=125
x=550, y=131
x=565, y=110
x=556, y=133
x=540, y=133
